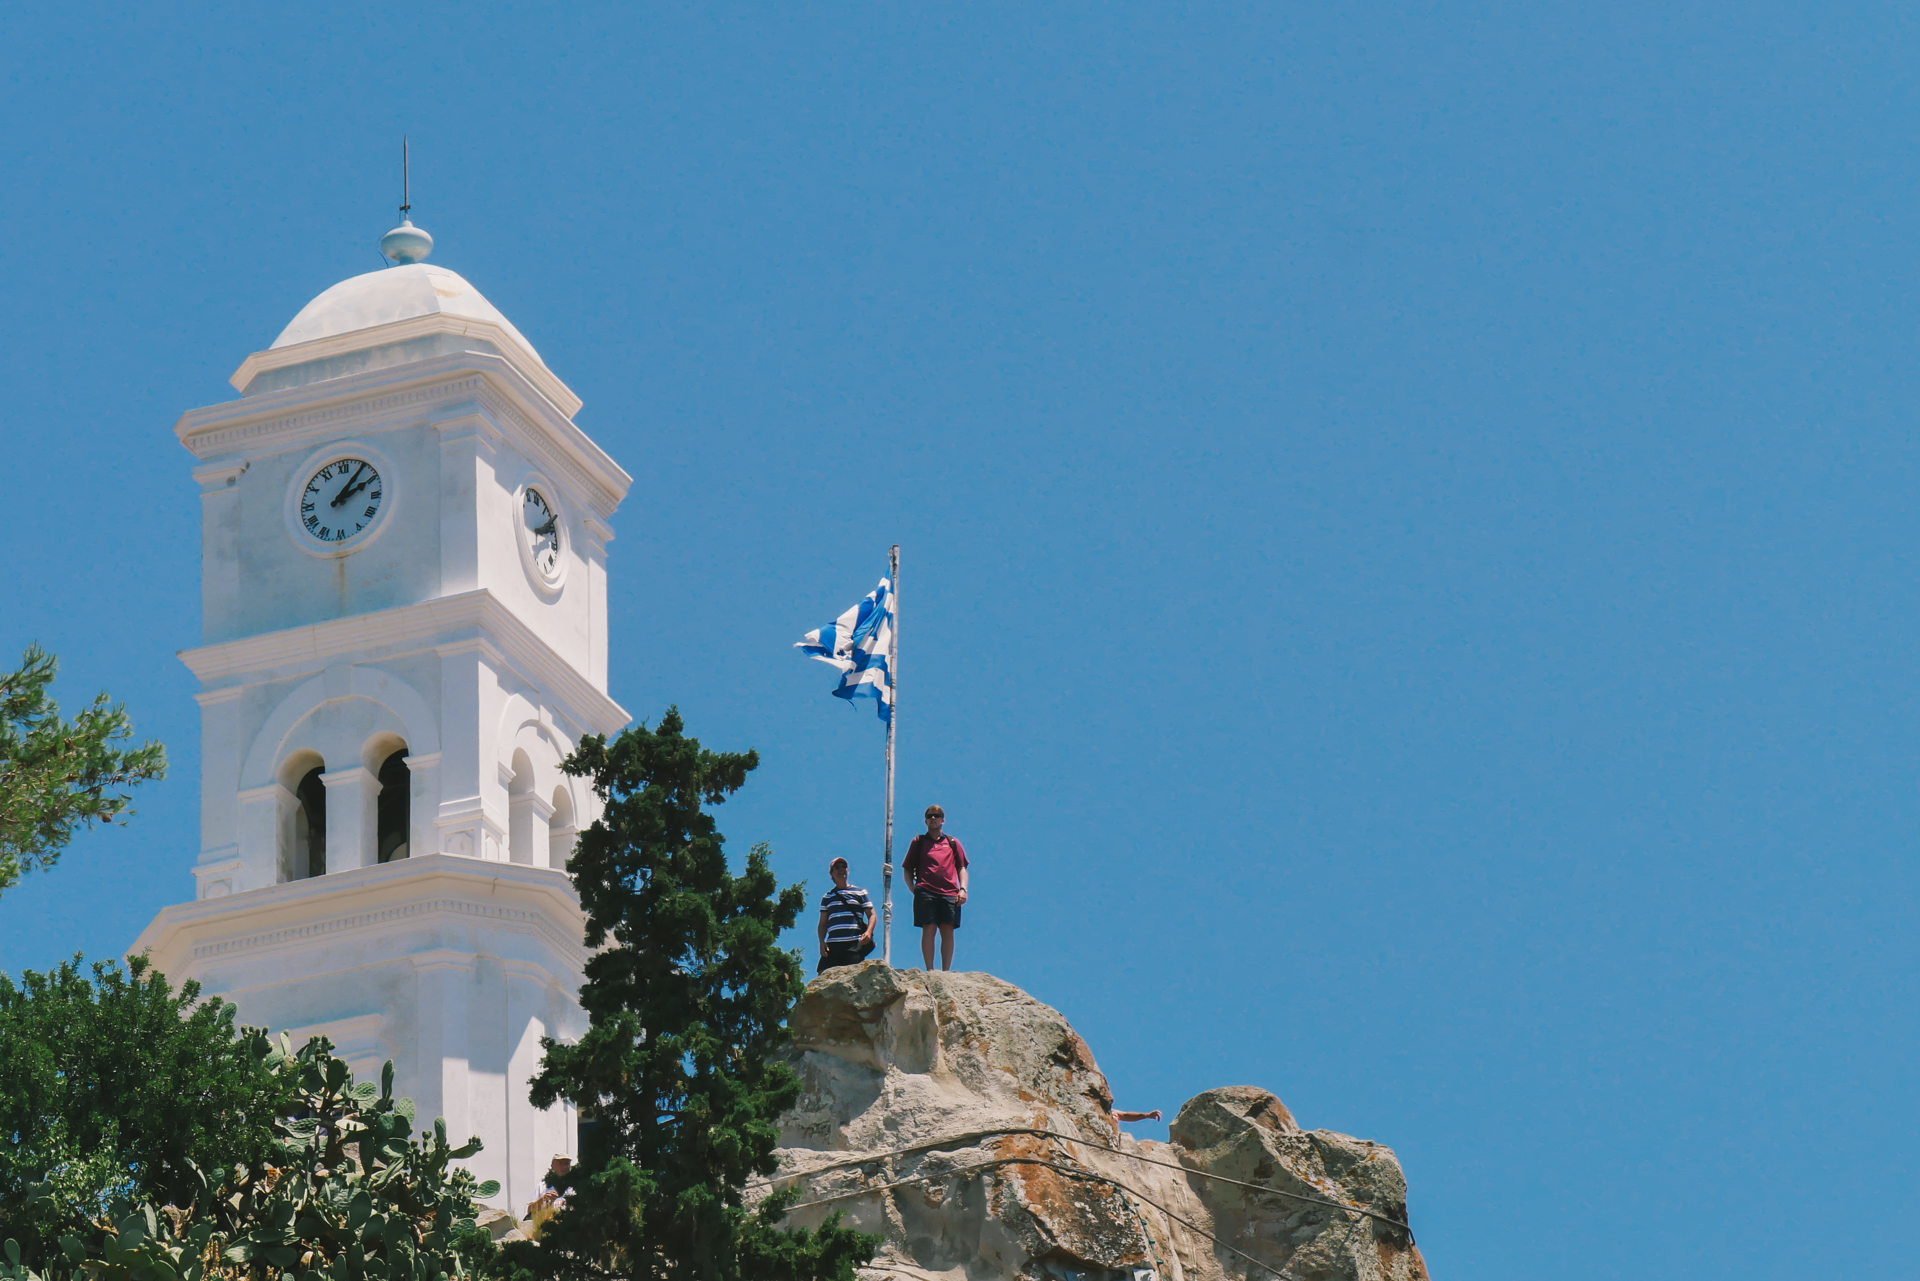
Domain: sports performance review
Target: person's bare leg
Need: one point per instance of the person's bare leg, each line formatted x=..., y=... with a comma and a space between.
x=926, y=944
x=946, y=949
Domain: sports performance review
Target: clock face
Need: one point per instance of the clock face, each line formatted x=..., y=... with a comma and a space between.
x=340, y=500
x=541, y=528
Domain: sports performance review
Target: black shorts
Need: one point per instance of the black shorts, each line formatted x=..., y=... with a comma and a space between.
x=839, y=954
x=935, y=909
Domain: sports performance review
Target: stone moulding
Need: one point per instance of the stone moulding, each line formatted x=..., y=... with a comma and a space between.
x=385, y=916
x=524, y=361
x=487, y=380
x=536, y=902
x=445, y=623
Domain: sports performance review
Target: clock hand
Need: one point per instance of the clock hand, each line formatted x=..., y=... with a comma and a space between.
x=350, y=489
x=547, y=530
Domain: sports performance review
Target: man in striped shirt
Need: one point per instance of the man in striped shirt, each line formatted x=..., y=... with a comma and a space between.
x=846, y=922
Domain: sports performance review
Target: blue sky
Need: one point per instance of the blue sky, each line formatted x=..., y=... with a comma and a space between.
x=1408, y=589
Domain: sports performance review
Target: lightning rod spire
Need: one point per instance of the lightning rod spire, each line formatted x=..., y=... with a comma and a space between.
x=406, y=243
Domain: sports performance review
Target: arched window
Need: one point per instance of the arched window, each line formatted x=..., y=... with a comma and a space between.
x=520, y=814
x=310, y=825
x=394, y=810
x=560, y=830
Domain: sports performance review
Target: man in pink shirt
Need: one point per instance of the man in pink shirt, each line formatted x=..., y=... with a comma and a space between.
x=936, y=868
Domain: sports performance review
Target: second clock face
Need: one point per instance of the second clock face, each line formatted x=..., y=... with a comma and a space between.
x=341, y=499
x=541, y=529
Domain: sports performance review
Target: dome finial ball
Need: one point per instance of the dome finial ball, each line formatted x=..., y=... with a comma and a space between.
x=406, y=243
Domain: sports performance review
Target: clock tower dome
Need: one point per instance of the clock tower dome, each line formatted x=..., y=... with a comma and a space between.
x=404, y=631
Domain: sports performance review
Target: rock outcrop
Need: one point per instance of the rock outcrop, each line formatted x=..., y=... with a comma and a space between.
x=967, y=1123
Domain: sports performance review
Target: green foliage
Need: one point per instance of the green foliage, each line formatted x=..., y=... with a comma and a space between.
x=118, y=1087
x=679, y=1069
x=56, y=775
x=344, y=1194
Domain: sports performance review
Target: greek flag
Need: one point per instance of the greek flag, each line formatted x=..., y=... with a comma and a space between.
x=858, y=643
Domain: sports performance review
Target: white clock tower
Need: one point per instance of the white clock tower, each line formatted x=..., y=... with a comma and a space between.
x=404, y=631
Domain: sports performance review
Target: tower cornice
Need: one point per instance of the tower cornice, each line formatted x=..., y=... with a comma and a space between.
x=449, y=624
x=280, y=420
x=507, y=342
x=373, y=903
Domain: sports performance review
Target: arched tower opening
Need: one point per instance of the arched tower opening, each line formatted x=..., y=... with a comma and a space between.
x=300, y=817
x=561, y=832
x=520, y=806
x=394, y=809
x=309, y=852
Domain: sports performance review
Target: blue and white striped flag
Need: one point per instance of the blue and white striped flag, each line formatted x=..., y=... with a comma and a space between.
x=858, y=643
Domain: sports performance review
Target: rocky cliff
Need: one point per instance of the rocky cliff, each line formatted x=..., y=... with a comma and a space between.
x=969, y=1125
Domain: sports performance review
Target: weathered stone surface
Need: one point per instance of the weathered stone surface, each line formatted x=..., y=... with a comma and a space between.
x=922, y=1092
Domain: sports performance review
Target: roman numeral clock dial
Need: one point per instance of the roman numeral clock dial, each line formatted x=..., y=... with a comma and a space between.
x=340, y=500
x=540, y=536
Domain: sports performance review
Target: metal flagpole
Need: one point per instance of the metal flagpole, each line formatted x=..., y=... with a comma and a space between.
x=893, y=720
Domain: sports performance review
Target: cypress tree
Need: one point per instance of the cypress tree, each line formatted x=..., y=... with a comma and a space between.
x=679, y=1071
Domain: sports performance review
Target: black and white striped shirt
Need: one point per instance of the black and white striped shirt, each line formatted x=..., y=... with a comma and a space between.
x=846, y=914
